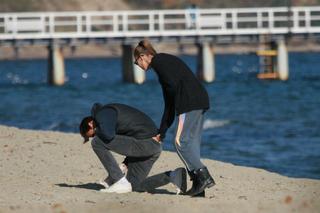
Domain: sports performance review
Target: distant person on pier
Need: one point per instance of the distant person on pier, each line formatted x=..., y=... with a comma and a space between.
x=127, y=131
x=186, y=98
x=191, y=15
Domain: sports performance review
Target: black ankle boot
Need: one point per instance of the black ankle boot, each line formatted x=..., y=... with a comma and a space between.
x=201, y=180
x=194, y=180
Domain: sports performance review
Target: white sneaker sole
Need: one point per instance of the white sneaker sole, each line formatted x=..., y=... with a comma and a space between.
x=118, y=191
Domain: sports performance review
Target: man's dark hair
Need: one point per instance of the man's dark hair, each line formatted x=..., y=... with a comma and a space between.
x=84, y=127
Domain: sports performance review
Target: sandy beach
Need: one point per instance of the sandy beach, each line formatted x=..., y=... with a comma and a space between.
x=43, y=171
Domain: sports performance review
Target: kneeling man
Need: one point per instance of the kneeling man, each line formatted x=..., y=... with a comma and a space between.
x=129, y=132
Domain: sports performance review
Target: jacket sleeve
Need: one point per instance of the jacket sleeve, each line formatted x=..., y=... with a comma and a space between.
x=169, y=109
x=106, y=121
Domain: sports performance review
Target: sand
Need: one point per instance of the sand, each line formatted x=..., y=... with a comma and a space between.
x=43, y=171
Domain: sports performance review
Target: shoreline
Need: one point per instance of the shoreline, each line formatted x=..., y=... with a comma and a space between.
x=96, y=51
x=45, y=171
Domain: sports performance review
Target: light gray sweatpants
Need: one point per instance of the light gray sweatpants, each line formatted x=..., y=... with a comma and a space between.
x=188, y=138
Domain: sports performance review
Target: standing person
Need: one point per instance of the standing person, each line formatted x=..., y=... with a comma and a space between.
x=191, y=15
x=185, y=97
x=127, y=131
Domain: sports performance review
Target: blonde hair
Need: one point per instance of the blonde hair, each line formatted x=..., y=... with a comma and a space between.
x=144, y=47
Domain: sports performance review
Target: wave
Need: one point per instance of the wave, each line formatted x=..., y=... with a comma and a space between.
x=210, y=124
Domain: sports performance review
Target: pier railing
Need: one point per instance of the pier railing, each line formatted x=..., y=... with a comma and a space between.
x=159, y=23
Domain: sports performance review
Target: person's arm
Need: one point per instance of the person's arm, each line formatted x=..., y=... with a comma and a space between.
x=169, y=109
x=106, y=121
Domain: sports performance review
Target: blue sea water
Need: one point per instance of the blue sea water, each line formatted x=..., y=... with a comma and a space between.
x=272, y=125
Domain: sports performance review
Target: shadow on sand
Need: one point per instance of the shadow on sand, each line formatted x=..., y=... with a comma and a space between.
x=97, y=187
x=91, y=186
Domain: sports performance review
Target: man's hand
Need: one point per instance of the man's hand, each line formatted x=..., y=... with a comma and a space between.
x=157, y=138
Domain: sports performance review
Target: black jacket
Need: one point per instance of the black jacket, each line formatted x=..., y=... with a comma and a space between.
x=182, y=91
x=120, y=119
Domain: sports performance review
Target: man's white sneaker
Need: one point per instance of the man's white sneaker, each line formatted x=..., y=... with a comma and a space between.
x=108, y=181
x=121, y=186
